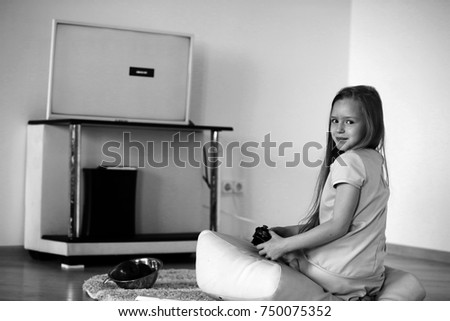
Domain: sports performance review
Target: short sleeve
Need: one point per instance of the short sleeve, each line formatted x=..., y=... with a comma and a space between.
x=348, y=168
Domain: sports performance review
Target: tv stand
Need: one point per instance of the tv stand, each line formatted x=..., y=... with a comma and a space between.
x=72, y=243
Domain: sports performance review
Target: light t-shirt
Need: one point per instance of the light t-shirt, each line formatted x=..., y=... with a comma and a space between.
x=353, y=265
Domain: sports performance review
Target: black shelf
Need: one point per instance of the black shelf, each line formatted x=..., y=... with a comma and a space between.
x=163, y=237
x=108, y=123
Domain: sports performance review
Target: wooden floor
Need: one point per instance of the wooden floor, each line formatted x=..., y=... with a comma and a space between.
x=24, y=278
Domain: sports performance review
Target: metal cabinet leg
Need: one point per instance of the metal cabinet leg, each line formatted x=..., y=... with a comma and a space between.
x=75, y=181
x=214, y=179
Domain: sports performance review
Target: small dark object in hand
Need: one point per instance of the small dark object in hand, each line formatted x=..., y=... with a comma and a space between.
x=261, y=235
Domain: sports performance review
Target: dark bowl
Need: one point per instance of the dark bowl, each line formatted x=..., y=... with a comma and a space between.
x=135, y=274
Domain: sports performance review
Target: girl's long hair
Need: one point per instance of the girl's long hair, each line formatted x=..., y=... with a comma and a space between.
x=372, y=110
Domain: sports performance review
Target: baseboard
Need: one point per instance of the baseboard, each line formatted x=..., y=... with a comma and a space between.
x=419, y=253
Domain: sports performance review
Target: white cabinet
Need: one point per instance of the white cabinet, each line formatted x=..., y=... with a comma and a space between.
x=174, y=203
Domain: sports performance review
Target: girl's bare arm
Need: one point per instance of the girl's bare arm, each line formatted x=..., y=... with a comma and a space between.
x=347, y=198
x=286, y=231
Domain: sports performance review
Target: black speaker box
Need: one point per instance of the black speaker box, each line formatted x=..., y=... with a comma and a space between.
x=109, y=202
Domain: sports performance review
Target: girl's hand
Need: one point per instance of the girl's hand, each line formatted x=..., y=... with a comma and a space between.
x=274, y=248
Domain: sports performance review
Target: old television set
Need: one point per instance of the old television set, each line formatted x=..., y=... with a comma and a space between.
x=113, y=73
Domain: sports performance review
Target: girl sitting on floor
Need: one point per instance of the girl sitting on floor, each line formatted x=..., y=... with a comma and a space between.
x=342, y=245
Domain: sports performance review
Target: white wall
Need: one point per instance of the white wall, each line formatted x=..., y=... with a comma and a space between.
x=267, y=67
x=260, y=66
x=402, y=47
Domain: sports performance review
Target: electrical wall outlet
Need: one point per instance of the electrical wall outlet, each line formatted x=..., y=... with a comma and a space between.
x=227, y=187
x=237, y=187
x=232, y=186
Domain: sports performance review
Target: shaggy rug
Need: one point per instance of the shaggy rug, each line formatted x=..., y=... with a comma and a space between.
x=172, y=284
